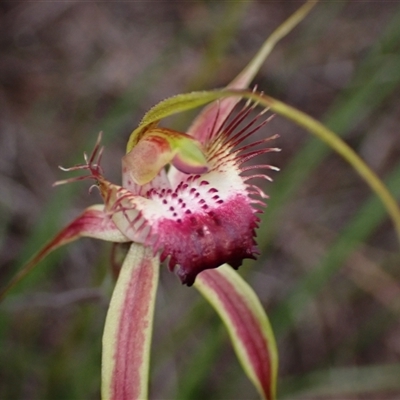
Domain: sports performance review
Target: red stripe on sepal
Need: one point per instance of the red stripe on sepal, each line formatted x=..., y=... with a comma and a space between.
x=247, y=324
x=93, y=222
x=128, y=328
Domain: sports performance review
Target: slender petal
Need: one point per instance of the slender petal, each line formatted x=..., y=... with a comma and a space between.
x=247, y=324
x=128, y=328
x=216, y=113
x=201, y=126
x=93, y=222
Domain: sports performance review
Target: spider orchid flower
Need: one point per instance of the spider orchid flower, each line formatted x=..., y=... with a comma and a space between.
x=212, y=212
x=200, y=215
x=185, y=199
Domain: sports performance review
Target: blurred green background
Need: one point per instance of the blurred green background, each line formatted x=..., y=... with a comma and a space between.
x=328, y=272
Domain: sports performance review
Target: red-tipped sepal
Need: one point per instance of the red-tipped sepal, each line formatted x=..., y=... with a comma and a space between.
x=247, y=324
x=93, y=222
x=128, y=328
x=214, y=115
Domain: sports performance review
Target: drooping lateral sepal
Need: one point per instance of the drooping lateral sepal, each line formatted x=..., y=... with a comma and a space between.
x=247, y=324
x=128, y=328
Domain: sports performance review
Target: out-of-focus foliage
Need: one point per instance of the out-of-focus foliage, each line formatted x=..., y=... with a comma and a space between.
x=328, y=274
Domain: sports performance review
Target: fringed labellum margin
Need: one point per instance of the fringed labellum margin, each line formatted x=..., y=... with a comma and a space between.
x=212, y=213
